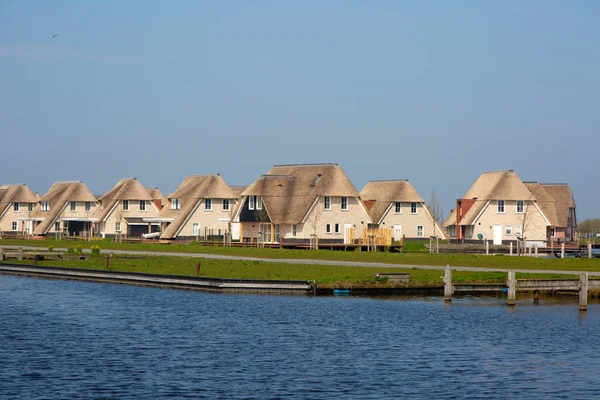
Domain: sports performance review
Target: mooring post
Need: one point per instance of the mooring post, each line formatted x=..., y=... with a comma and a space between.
x=487, y=247
x=562, y=250
x=583, y=291
x=536, y=297
x=589, y=250
x=35, y=259
x=512, y=288
x=1, y=253
x=106, y=262
x=197, y=268
x=511, y=249
x=20, y=254
x=448, y=284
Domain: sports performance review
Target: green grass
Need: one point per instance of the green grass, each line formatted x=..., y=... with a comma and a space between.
x=467, y=260
x=324, y=275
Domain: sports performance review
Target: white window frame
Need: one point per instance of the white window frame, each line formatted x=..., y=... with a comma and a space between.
x=413, y=208
x=226, y=204
x=522, y=206
x=328, y=229
x=508, y=230
x=30, y=207
x=125, y=205
x=336, y=229
x=88, y=206
x=327, y=202
x=518, y=230
x=57, y=226
x=17, y=207
x=15, y=226
x=398, y=207
x=251, y=200
x=344, y=203
x=500, y=206
x=195, y=228
x=142, y=205
x=117, y=226
x=552, y=232
x=259, y=203
x=422, y=229
x=294, y=230
x=45, y=206
x=73, y=206
x=207, y=204
x=175, y=204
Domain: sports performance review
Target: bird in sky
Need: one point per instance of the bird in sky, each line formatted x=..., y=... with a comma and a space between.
x=53, y=35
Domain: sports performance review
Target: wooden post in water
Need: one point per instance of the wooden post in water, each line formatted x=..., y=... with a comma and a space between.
x=197, y=268
x=35, y=259
x=511, y=249
x=512, y=288
x=20, y=254
x=536, y=297
x=583, y=291
x=589, y=246
x=448, y=284
x=487, y=247
x=562, y=250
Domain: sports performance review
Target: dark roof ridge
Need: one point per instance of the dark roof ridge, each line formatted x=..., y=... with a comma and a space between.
x=305, y=165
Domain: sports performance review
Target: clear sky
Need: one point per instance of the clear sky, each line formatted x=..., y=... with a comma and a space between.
x=433, y=91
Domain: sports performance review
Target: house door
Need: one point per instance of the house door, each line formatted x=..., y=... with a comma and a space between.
x=497, y=234
x=235, y=231
x=348, y=234
x=29, y=227
x=397, y=230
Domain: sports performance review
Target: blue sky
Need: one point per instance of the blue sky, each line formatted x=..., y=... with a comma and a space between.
x=433, y=91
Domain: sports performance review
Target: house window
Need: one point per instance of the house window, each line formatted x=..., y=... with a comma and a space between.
x=501, y=206
x=294, y=230
x=413, y=208
x=328, y=228
x=420, y=231
x=518, y=230
x=520, y=206
x=337, y=228
x=195, y=228
x=118, y=226
x=225, y=204
x=552, y=232
x=73, y=206
x=57, y=226
x=316, y=180
x=251, y=202
x=142, y=205
x=88, y=206
x=508, y=230
x=45, y=206
x=125, y=205
x=327, y=203
x=30, y=207
x=344, y=203
x=208, y=204
x=175, y=204
x=16, y=207
x=15, y=225
x=258, y=203
x=398, y=207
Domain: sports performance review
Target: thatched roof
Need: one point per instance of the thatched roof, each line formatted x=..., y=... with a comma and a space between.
x=545, y=202
x=378, y=195
x=19, y=193
x=190, y=192
x=59, y=194
x=563, y=201
x=499, y=185
x=156, y=194
x=125, y=189
x=451, y=220
x=288, y=191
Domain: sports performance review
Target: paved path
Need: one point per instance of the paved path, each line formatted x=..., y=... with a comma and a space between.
x=323, y=262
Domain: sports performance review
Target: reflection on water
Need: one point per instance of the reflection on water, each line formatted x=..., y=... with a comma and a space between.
x=61, y=339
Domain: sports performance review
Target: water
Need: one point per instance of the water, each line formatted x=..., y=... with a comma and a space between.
x=69, y=340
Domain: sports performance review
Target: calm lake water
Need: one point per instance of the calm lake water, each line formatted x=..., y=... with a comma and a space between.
x=68, y=340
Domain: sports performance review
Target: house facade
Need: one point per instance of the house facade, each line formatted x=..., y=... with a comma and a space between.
x=17, y=204
x=67, y=208
x=566, y=215
x=500, y=208
x=296, y=202
x=121, y=211
x=396, y=205
x=201, y=207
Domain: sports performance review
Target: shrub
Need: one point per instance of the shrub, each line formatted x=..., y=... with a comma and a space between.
x=50, y=248
x=70, y=250
x=95, y=250
x=79, y=249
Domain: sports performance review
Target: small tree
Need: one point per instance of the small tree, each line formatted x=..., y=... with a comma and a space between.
x=314, y=219
x=526, y=218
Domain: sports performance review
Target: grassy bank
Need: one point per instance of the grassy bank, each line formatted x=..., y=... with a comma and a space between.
x=322, y=274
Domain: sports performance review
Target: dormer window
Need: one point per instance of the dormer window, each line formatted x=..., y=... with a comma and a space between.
x=344, y=203
x=30, y=207
x=45, y=206
x=125, y=205
x=225, y=204
x=73, y=206
x=16, y=207
x=327, y=203
x=142, y=205
x=88, y=206
x=413, y=208
x=316, y=180
x=500, y=206
x=258, y=203
x=251, y=202
x=208, y=204
x=175, y=204
x=520, y=206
